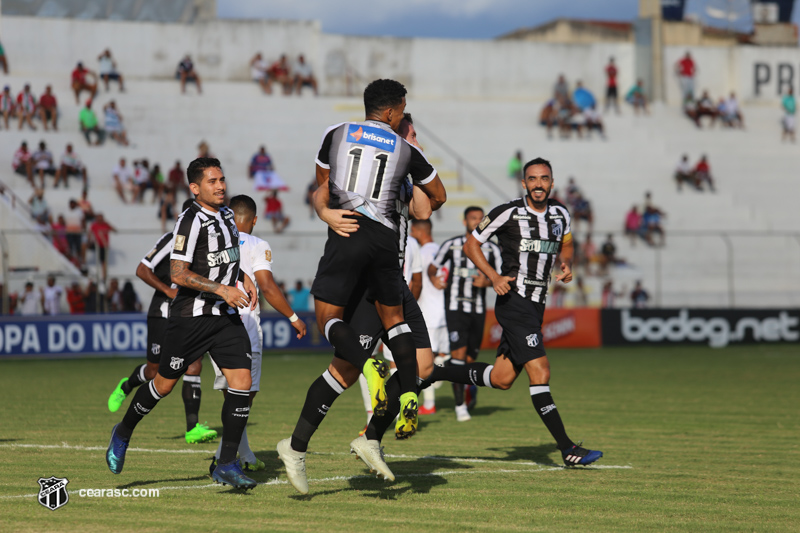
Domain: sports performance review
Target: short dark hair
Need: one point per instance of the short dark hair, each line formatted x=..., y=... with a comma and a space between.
x=537, y=161
x=194, y=172
x=472, y=208
x=427, y=224
x=381, y=94
x=407, y=116
x=243, y=205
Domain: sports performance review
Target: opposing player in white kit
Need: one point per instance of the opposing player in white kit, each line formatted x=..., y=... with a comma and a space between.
x=256, y=262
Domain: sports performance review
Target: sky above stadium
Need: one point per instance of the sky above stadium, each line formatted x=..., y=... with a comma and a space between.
x=459, y=19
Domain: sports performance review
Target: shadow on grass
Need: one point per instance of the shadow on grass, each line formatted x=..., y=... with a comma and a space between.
x=218, y=429
x=9, y=440
x=538, y=454
x=142, y=483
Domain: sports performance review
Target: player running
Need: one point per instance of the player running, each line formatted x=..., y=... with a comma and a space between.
x=464, y=298
x=256, y=262
x=534, y=233
x=154, y=270
x=202, y=318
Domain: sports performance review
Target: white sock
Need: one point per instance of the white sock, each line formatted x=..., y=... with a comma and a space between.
x=365, y=396
x=429, y=398
x=219, y=450
x=392, y=370
x=245, y=453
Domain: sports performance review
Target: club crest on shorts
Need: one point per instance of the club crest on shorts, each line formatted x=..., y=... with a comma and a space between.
x=453, y=336
x=366, y=341
x=175, y=363
x=533, y=340
x=53, y=492
x=155, y=349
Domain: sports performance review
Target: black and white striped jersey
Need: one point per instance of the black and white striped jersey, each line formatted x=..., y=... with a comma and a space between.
x=368, y=163
x=209, y=242
x=530, y=243
x=158, y=261
x=460, y=294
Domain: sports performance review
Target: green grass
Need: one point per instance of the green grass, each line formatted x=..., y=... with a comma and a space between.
x=710, y=437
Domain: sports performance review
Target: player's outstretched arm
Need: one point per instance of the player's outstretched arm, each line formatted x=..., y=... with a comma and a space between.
x=434, y=190
x=181, y=275
x=274, y=295
x=472, y=248
x=144, y=273
x=335, y=218
x=566, y=255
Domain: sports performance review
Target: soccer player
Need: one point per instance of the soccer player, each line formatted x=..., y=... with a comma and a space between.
x=361, y=167
x=464, y=298
x=534, y=232
x=154, y=270
x=256, y=262
x=202, y=318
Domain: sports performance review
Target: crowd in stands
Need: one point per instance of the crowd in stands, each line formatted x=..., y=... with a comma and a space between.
x=53, y=299
x=289, y=78
x=695, y=176
x=645, y=223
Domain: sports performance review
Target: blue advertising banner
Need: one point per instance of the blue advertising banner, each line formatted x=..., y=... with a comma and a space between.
x=123, y=334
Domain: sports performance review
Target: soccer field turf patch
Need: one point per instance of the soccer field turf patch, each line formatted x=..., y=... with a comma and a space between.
x=694, y=439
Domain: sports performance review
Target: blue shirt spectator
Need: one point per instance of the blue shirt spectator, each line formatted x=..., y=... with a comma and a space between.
x=299, y=297
x=582, y=97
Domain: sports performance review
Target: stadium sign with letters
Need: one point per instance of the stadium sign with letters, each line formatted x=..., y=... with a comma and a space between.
x=122, y=334
x=714, y=327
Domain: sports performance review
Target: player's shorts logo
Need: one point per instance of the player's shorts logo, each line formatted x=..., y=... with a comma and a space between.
x=533, y=340
x=175, y=363
x=366, y=341
x=453, y=336
x=53, y=492
x=155, y=349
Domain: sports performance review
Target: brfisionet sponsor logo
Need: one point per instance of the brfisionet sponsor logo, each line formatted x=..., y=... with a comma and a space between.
x=376, y=137
x=718, y=331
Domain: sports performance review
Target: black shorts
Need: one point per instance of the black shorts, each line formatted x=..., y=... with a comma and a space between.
x=611, y=92
x=188, y=338
x=465, y=329
x=521, y=320
x=361, y=315
x=110, y=75
x=369, y=255
x=156, y=330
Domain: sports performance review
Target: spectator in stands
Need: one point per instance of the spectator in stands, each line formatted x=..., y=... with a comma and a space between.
x=186, y=72
x=75, y=299
x=40, y=211
x=637, y=98
x=261, y=161
x=548, y=116
x=48, y=108
x=177, y=182
x=59, y=232
x=611, y=86
x=29, y=303
x=100, y=231
x=83, y=79
x=129, y=299
x=86, y=206
x=8, y=106
x=639, y=296
x=572, y=192
x=303, y=76
x=113, y=123
x=113, y=298
x=204, y=150
x=274, y=212
x=608, y=255
x=587, y=254
x=690, y=110
x=91, y=298
x=71, y=165
x=685, y=173
x=581, y=299
x=166, y=210
x=633, y=225
x=310, y=190
x=582, y=211
x=108, y=70
x=258, y=73
x=143, y=179
x=593, y=121
x=23, y=163
x=608, y=296
x=686, y=70
x=26, y=107
x=730, y=114
x=123, y=177
x=3, y=60
x=651, y=220
x=51, y=297
x=702, y=174
x=582, y=97
x=561, y=89
x=280, y=73
x=42, y=161
x=789, y=110
x=158, y=181
x=89, y=124
x=564, y=112
x=299, y=297
x=557, y=295
x=705, y=108
x=515, y=167
x=75, y=224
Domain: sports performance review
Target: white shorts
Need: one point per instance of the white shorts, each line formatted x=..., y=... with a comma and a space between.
x=253, y=326
x=440, y=340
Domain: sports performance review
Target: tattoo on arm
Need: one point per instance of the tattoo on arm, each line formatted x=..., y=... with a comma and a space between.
x=181, y=275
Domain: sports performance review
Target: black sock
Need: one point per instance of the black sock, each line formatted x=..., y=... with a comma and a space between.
x=379, y=424
x=544, y=405
x=321, y=395
x=401, y=342
x=235, y=412
x=191, y=393
x=136, y=379
x=143, y=402
x=471, y=374
x=345, y=341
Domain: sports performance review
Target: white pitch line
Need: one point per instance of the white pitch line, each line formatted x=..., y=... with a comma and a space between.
x=65, y=446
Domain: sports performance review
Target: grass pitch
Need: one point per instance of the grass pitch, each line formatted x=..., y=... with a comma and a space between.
x=695, y=439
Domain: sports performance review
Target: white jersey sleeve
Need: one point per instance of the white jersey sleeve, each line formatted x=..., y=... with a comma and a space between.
x=261, y=256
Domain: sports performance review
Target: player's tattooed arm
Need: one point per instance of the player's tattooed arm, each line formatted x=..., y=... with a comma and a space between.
x=335, y=218
x=181, y=275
